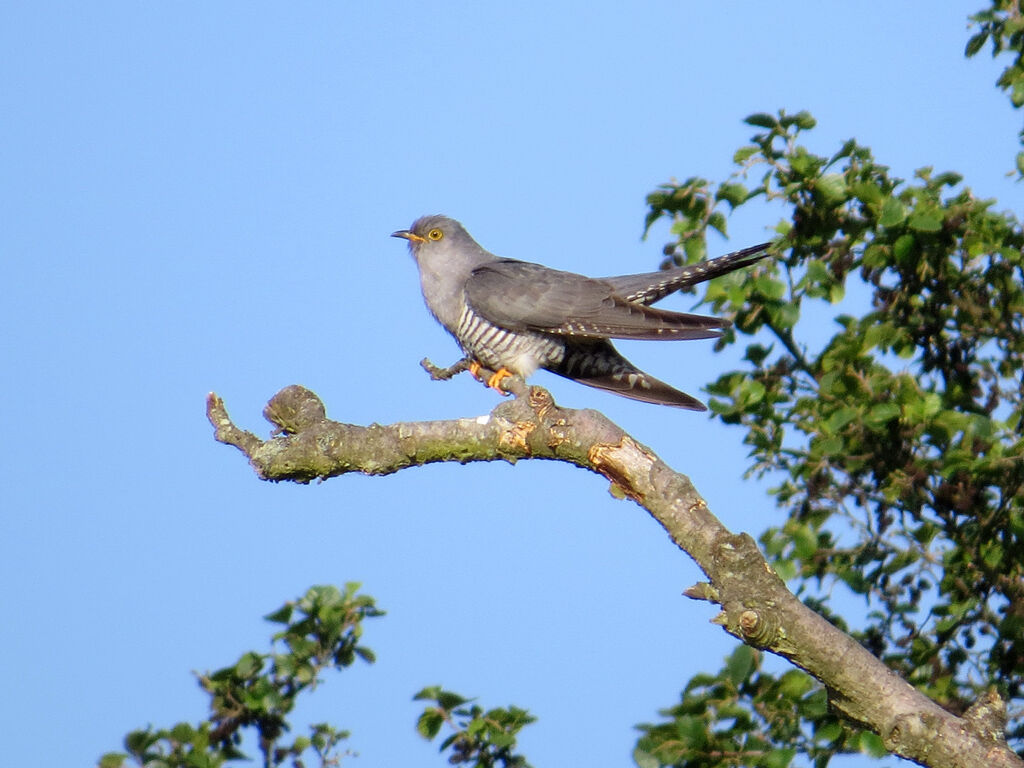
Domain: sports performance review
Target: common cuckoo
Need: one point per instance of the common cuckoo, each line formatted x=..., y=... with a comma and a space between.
x=514, y=317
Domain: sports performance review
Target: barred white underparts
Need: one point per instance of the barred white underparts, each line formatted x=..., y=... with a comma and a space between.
x=520, y=352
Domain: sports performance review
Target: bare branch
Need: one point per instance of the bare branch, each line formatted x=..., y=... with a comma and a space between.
x=756, y=605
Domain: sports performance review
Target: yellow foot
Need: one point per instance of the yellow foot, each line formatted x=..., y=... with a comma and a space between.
x=495, y=381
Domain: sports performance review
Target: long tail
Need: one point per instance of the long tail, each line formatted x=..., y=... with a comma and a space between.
x=598, y=364
x=650, y=287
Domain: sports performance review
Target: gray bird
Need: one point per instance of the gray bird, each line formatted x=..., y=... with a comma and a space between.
x=514, y=317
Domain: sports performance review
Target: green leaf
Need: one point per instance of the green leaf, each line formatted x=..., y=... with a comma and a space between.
x=732, y=192
x=840, y=419
x=717, y=222
x=805, y=540
x=786, y=569
x=882, y=414
x=795, y=684
x=282, y=615
x=903, y=247
x=777, y=758
x=805, y=120
x=893, y=213
x=817, y=272
x=804, y=163
x=875, y=256
x=814, y=706
x=751, y=392
x=761, y=120
x=870, y=744
x=769, y=287
x=836, y=292
x=249, y=665
x=845, y=151
x=925, y=220
x=879, y=336
x=692, y=731
x=831, y=189
x=992, y=554
x=743, y=153
x=1016, y=524
x=948, y=179
x=696, y=249
x=182, y=732
x=826, y=447
x=502, y=740
x=739, y=663
x=981, y=426
x=642, y=759
x=429, y=724
x=787, y=315
x=869, y=193
x=448, y=700
x=975, y=43
x=1017, y=91
x=829, y=732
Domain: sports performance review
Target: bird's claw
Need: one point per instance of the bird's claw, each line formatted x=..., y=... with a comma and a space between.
x=493, y=380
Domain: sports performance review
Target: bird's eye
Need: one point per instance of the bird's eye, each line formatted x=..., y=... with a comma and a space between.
x=435, y=234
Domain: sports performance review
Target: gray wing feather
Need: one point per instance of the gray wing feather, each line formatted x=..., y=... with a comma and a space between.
x=518, y=295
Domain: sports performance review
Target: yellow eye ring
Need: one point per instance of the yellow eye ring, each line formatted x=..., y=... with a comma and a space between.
x=435, y=234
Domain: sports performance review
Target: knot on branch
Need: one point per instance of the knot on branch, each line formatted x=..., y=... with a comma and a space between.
x=293, y=410
x=759, y=628
x=987, y=717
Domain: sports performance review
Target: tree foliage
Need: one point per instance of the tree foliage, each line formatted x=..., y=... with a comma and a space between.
x=479, y=738
x=895, y=440
x=1002, y=25
x=253, y=697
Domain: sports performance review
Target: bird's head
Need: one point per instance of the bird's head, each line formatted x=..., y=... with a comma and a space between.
x=438, y=238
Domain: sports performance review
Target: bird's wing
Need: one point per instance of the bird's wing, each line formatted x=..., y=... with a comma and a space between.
x=519, y=295
x=652, y=286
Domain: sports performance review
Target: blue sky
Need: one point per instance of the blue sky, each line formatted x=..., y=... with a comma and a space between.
x=198, y=196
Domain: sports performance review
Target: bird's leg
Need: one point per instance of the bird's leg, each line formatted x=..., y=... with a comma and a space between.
x=486, y=376
x=437, y=373
x=491, y=378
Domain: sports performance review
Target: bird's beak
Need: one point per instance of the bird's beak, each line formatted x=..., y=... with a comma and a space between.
x=406, y=234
